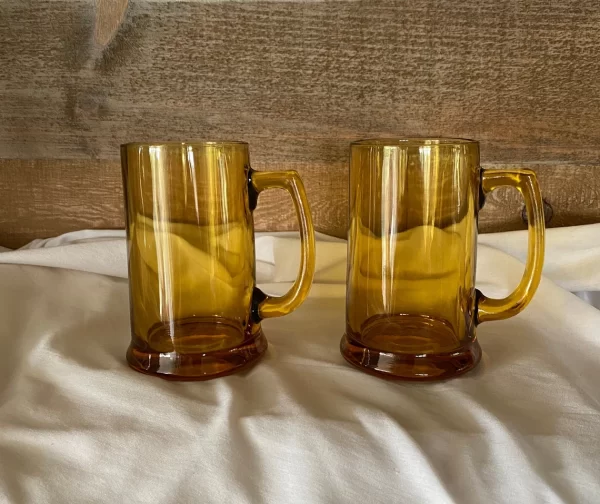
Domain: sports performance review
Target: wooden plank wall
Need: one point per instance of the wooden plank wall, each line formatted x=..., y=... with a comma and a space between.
x=298, y=80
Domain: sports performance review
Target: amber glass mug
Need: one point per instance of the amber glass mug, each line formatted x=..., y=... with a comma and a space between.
x=195, y=307
x=412, y=306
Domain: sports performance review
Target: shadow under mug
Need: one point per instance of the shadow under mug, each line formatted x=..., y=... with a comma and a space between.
x=195, y=307
x=411, y=303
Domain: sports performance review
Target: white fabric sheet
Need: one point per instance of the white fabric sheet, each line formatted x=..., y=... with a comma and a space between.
x=76, y=425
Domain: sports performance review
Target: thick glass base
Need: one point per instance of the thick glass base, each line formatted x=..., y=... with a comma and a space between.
x=415, y=367
x=200, y=365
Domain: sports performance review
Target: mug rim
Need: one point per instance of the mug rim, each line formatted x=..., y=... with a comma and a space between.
x=412, y=141
x=192, y=143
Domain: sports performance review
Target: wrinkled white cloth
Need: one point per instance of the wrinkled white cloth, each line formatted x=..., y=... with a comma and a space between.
x=76, y=425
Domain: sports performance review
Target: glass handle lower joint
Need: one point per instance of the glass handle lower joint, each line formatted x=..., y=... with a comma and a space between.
x=258, y=297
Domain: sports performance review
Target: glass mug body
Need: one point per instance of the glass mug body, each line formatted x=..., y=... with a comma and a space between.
x=412, y=306
x=195, y=308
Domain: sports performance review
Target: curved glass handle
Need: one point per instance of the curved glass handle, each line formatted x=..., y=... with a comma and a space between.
x=526, y=183
x=264, y=306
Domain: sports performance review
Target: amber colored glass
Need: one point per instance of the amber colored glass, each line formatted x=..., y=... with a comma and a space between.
x=412, y=307
x=195, y=307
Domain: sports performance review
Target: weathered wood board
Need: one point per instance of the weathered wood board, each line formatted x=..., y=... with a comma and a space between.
x=46, y=198
x=298, y=80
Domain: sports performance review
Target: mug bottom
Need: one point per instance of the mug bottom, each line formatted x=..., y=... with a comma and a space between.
x=413, y=367
x=200, y=365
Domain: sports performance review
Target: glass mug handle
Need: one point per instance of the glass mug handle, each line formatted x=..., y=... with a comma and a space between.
x=264, y=306
x=526, y=183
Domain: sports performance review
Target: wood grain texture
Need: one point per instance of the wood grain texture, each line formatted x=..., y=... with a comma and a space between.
x=109, y=16
x=47, y=198
x=39, y=199
x=298, y=80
